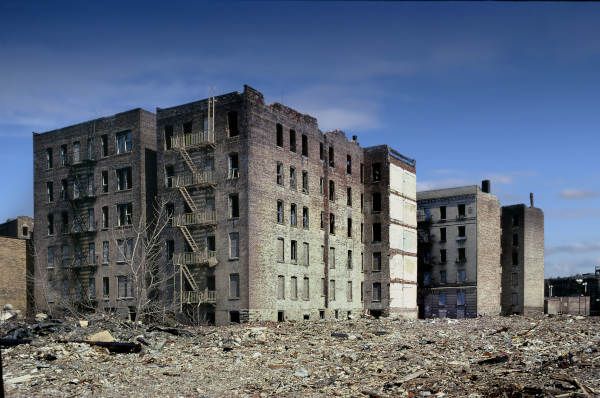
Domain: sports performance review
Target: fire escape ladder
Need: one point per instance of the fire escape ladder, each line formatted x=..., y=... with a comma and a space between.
x=188, y=198
x=189, y=277
x=189, y=238
x=188, y=160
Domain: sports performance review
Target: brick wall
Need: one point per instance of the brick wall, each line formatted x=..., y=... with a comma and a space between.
x=13, y=268
x=488, y=254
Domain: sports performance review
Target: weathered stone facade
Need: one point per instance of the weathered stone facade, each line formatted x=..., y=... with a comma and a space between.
x=459, y=253
x=94, y=185
x=291, y=183
x=522, y=260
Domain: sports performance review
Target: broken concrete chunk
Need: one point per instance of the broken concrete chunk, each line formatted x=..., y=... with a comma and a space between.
x=103, y=336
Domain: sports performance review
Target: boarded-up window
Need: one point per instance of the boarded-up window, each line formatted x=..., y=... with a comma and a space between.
x=332, y=257
x=332, y=290
x=280, y=250
x=306, y=289
x=281, y=287
x=349, y=291
x=234, y=285
x=294, y=288
x=305, y=254
x=376, y=291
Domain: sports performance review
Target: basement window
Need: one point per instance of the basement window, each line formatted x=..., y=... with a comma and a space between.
x=279, y=129
x=232, y=123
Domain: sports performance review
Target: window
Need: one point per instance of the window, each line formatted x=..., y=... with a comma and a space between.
x=443, y=256
x=321, y=185
x=234, y=171
x=125, y=287
x=349, y=196
x=49, y=160
x=515, y=299
x=280, y=250
x=279, y=129
x=362, y=262
x=279, y=173
x=349, y=291
x=514, y=277
x=362, y=172
x=64, y=186
x=90, y=149
x=304, y=145
x=306, y=289
x=462, y=233
x=461, y=211
x=515, y=220
x=105, y=181
x=362, y=230
x=232, y=123
x=293, y=140
x=105, y=287
x=124, y=178
x=460, y=297
x=442, y=299
x=105, y=217
x=332, y=257
x=349, y=227
x=332, y=223
x=323, y=254
x=105, y=252
x=170, y=249
x=92, y=288
x=376, y=261
x=305, y=254
x=123, y=141
x=305, y=218
x=124, y=210
x=348, y=164
x=187, y=128
x=332, y=190
x=76, y=152
x=362, y=290
x=50, y=258
x=50, y=191
x=91, y=219
x=349, y=262
x=426, y=278
x=376, y=172
x=125, y=249
x=442, y=234
x=305, y=182
x=293, y=215
x=332, y=290
x=280, y=287
x=443, y=278
x=322, y=220
x=76, y=189
x=323, y=287
x=376, y=232
x=376, y=202
x=280, y=212
x=63, y=155
x=294, y=251
x=462, y=255
x=65, y=255
x=292, y=178
x=515, y=239
x=362, y=202
x=442, y=212
x=64, y=222
x=50, y=220
x=515, y=258
x=376, y=291
x=294, y=288
x=169, y=176
x=234, y=286
x=234, y=245
x=234, y=205
x=331, y=157
x=104, y=140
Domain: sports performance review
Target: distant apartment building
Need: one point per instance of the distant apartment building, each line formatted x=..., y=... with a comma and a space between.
x=575, y=294
x=16, y=263
x=459, y=252
x=275, y=220
x=522, y=259
x=94, y=186
x=269, y=218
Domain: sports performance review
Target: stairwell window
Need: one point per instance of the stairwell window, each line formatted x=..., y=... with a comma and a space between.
x=234, y=245
x=123, y=141
x=304, y=145
x=49, y=160
x=234, y=286
x=234, y=206
x=124, y=178
x=232, y=123
x=293, y=215
x=293, y=140
x=234, y=166
x=76, y=152
x=279, y=173
x=280, y=211
x=125, y=214
x=279, y=132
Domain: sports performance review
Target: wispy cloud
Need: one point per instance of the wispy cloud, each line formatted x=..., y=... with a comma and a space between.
x=574, y=248
x=578, y=194
x=569, y=266
x=572, y=213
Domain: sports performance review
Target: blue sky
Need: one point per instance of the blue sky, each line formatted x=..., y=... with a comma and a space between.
x=504, y=91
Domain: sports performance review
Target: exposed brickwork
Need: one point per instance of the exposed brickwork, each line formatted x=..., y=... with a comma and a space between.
x=13, y=268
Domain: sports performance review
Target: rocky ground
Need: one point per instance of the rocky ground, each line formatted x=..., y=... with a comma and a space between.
x=485, y=357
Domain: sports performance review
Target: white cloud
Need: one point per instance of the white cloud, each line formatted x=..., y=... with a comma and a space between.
x=574, y=248
x=578, y=194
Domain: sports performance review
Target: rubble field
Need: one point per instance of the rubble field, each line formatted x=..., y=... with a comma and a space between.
x=484, y=357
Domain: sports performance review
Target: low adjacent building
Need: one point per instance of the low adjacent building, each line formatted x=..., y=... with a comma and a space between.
x=577, y=294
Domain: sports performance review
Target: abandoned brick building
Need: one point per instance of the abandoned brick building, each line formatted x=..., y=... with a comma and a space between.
x=270, y=219
x=94, y=184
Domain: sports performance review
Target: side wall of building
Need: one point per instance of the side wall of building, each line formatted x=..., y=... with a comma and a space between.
x=533, y=266
x=489, y=270
x=13, y=268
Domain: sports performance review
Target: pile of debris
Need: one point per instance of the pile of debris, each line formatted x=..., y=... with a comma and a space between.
x=485, y=357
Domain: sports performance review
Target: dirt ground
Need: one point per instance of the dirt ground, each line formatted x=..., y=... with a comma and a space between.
x=484, y=357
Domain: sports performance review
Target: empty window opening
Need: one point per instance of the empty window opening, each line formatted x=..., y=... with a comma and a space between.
x=442, y=234
x=336, y=314
x=443, y=256
x=234, y=316
x=331, y=157
x=376, y=232
x=50, y=191
x=332, y=190
x=462, y=231
x=293, y=140
x=376, y=202
x=293, y=215
x=280, y=316
x=376, y=291
x=63, y=155
x=515, y=258
x=293, y=178
x=104, y=140
x=442, y=212
x=187, y=128
x=332, y=223
x=462, y=255
x=50, y=220
x=321, y=314
x=305, y=182
x=234, y=206
x=461, y=210
x=279, y=129
x=49, y=160
x=294, y=251
x=349, y=228
x=515, y=240
x=349, y=196
x=376, y=172
x=104, y=181
x=280, y=173
x=234, y=165
x=234, y=286
x=280, y=212
x=168, y=137
x=348, y=164
x=123, y=142
x=376, y=266
x=305, y=218
x=304, y=145
x=306, y=317
x=349, y=261
x=232, y=123
x=124, y=178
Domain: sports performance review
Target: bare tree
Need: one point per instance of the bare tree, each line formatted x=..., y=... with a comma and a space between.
x=141, y=249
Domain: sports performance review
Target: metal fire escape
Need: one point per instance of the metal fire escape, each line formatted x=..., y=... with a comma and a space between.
x=199, y=217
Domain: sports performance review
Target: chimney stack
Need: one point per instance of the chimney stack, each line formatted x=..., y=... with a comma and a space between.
x=486, y=186
x=530, y=199
x=354, y=138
